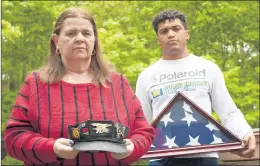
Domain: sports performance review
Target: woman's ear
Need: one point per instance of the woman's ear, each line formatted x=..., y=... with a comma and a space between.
x=55, y=39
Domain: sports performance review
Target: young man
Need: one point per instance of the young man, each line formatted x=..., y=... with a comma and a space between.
x=178, y=70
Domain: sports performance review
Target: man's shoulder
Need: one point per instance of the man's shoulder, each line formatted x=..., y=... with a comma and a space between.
x=149, y=70
x=201, y=60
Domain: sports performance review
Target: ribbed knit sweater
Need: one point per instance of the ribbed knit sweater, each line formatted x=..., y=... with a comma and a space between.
x=42, y=113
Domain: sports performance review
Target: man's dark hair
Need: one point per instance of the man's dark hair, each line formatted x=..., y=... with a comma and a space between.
x=168, y=15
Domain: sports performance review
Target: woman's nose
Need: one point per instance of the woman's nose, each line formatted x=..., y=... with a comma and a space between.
x=79, y=38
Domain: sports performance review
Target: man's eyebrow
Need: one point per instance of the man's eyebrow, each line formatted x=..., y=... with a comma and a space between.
x=165, y=28
x=177, y=26
x=174, y=26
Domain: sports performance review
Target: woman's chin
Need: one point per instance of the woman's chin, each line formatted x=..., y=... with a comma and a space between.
x=82, y=56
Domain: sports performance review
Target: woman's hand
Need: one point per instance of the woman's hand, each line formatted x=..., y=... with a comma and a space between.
x=62, y=148
x=129, y=147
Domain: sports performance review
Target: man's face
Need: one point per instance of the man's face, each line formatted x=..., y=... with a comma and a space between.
x=172, y=37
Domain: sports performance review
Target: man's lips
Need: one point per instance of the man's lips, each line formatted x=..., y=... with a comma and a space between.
x=172, y=42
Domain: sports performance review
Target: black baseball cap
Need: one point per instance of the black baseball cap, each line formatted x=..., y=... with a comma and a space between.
x=95, y=136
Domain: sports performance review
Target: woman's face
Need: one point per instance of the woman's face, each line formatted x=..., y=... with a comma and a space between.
x=76, y=40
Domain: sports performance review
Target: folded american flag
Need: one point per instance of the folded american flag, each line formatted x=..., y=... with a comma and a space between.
x=184, y=128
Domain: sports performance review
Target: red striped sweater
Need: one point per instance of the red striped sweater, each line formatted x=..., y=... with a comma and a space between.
x=42, y=113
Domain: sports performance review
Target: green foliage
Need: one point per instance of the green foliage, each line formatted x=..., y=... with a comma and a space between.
x=8, y=98
x=226, y=33
x=141, y=162
x=8, y=160
x=245, y=95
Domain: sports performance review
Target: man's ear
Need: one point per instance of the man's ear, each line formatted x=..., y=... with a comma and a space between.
x=187, y=35
x=55, y=39
x=158, y=42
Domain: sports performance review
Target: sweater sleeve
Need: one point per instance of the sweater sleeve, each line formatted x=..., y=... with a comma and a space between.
x=20, y=136
x=141, y=93
x=231, y=117
x=142, y=133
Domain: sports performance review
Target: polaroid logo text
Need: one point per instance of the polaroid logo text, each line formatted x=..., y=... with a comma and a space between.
x=187, y=74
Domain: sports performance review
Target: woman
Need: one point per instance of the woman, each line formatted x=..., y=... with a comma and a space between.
x=75, y=85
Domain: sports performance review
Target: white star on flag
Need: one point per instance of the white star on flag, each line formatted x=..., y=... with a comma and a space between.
x=186, y=107
x=193, y=141
x=152, y=146
x=189, y=118
x=216, y=140
x=211, y=126
x=166, y=119
x=170, y=142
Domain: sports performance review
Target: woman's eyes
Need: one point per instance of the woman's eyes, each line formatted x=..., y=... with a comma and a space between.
x=70, y=33
x=86, y=33
x=75, y=33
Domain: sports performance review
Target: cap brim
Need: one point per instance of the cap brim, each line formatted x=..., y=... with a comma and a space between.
x=100, y=146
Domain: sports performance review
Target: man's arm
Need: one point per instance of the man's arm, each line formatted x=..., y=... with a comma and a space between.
x=142, y=95
x=231, y=117
x=222, y=103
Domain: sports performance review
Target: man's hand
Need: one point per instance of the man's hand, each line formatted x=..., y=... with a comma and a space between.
x=249, y=143
x=129, y=147
x=62, y=148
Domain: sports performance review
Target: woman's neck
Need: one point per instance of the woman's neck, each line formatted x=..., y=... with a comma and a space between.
x=77, y=72
x=78, y=76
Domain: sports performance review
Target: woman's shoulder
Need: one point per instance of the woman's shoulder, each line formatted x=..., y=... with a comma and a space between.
x=116, y=76
x=33, y=76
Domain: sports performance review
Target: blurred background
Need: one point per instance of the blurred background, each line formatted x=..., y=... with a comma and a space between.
x=225, y=32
